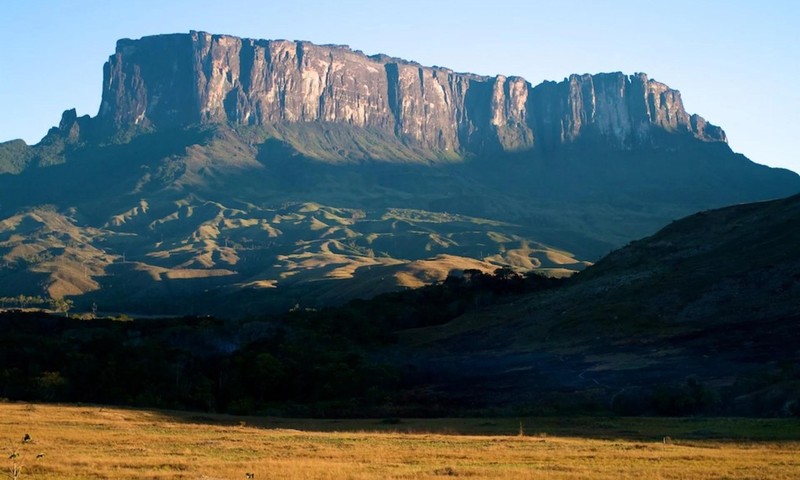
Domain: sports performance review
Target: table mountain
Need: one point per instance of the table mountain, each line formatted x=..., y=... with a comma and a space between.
x=224, y=171
x=185, y=79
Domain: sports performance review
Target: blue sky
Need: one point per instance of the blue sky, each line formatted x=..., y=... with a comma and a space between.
x=736, y=63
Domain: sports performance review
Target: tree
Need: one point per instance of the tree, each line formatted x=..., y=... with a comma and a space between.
x=61, y=304
x=504, y=273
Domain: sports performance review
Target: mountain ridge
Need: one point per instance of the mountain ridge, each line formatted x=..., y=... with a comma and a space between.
x=709, y=300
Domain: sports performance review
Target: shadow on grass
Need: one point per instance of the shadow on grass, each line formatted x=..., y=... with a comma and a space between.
x=680, y=429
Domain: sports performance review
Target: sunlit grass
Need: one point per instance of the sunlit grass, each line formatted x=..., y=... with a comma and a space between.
x=87, y=442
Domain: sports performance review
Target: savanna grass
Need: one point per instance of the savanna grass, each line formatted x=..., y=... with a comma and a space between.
x=92, y=442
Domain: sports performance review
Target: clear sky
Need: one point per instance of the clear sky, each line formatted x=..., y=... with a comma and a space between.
x=736, y=62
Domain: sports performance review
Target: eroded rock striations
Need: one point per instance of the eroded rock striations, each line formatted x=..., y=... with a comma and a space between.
x=181, y=79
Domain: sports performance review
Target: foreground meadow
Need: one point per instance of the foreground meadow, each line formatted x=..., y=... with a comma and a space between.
x=93, y=442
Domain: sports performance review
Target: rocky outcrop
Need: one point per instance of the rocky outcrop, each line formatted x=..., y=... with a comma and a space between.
x=72, y=128
x=180, y=79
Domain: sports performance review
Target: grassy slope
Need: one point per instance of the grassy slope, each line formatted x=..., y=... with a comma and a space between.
x=210, y=209
x=98, y=442
x=303, y=250
x=193, y=209
x=694, y=273
x=710, y=297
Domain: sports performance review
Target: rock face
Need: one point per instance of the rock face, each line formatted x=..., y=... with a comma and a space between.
x=623, y=110
x=181, y=79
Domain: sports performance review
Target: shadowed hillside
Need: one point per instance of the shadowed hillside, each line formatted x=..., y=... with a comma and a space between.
x=699, y=317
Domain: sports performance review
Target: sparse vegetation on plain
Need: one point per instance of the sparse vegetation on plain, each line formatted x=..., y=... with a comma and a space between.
x=79, y=442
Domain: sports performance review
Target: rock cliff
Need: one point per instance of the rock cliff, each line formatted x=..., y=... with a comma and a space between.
x=181, y=79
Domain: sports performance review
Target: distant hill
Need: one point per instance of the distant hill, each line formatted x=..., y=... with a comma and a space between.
x=225, y=175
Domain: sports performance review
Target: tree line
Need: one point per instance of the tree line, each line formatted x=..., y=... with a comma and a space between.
x=326, y=362
x=60, y=304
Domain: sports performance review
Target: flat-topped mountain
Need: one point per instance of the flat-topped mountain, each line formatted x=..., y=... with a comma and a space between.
x=222, y=171
x=168, y=81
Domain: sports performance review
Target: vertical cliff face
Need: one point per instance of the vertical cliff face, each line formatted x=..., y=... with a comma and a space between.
x=181, y=79
x=622, y=111
x=150, y=82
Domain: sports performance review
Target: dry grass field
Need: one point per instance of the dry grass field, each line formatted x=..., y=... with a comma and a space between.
x=93, y=442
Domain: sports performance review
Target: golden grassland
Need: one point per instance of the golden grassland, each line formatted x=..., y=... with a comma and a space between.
x=94, y=442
